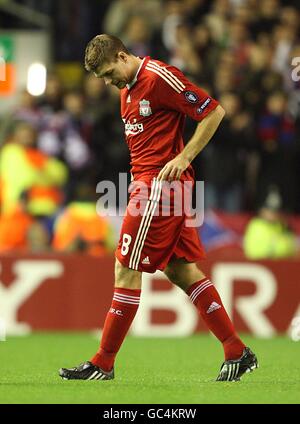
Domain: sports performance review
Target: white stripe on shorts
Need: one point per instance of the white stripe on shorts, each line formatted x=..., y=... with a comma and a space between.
x=151, y=206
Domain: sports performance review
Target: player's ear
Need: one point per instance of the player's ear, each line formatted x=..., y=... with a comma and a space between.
x=122, y=56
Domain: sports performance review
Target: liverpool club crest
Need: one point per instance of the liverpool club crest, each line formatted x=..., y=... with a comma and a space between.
x=145, y=109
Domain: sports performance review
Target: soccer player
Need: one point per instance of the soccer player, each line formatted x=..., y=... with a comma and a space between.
x=155, y=98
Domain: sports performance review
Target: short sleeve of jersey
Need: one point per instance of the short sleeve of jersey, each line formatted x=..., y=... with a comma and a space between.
x=174, y=91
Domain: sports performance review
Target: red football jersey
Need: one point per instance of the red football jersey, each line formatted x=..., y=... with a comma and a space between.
x=153, y=109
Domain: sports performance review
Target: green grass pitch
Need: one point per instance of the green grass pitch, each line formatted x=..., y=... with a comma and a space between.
x=175, y=371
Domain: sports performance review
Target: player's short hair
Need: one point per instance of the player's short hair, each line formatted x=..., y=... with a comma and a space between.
x=102, y=48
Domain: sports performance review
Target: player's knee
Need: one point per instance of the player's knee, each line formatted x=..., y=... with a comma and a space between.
x=172, y=274
x=127, y=278
x=183, y=274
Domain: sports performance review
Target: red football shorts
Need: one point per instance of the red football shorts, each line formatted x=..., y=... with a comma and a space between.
x=154, y=230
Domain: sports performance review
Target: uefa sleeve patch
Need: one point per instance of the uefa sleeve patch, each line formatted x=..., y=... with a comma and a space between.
x=204, y=105
x=191, y=97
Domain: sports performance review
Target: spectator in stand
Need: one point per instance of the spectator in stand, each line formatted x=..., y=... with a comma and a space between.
x=277, y=151
x=14, y=227
x=52, y=100
x=207, y=52
x=224, y=74
x=80, y=228
x=217, y=20
x=284, y=39
x=38, y=237
x=76, y=135
x=120, y=12
x=194, y=10
x=185, y=56
x=67, y=135
x=20, y=232
x=226, y=158
x=137, y=35
x=267, y=16
x=173, y=17
x=25, y=111
x=96, y=96
x=260, y=79
x=267, y=235
x=26, y=171
x=108, y=131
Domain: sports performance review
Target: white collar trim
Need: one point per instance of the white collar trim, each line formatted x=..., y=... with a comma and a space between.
x=136, y=76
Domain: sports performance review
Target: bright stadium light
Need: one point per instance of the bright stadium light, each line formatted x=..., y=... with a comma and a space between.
x=36, y=79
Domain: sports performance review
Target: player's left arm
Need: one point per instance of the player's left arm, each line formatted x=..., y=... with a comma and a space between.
x=173, y=91
x=203, y=134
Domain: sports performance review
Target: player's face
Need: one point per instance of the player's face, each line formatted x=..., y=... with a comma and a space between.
x=115, y=73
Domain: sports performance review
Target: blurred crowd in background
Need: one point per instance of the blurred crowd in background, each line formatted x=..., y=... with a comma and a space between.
x=56, y=148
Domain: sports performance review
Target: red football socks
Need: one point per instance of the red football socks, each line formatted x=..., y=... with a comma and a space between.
x=124, y=306
x=208, y=302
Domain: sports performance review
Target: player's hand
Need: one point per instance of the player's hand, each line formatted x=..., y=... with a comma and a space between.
x=172, y=170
